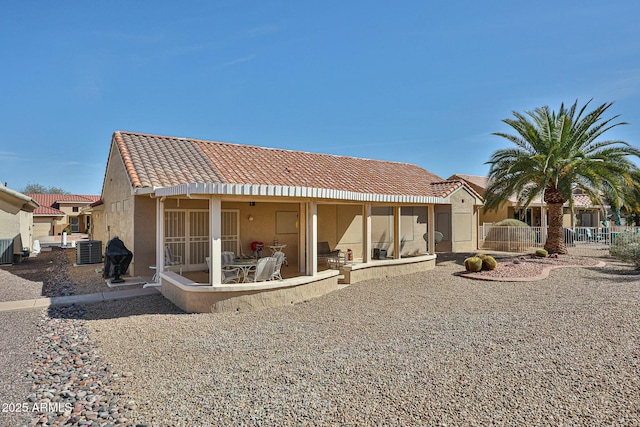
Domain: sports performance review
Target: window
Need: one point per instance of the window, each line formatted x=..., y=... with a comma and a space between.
x=75, y=209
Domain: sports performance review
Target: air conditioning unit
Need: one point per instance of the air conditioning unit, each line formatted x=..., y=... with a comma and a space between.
x=88, y=252
x=6, y=251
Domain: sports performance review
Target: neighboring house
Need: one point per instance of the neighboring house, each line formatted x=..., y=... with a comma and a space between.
x=202, y=197
x=60, y=212
x=585, y=213
x=16, y=212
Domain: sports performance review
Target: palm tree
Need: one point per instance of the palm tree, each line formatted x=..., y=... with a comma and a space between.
x=554, y=153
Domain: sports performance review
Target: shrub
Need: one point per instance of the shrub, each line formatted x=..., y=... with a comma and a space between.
x=542, y=253
x=626, y=248
x=489, y=263
x=473, y=264
x=510, y=235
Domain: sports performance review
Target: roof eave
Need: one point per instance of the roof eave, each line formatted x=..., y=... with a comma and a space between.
x=290, y=191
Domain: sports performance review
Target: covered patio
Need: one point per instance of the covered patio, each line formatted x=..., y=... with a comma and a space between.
x=384, y=235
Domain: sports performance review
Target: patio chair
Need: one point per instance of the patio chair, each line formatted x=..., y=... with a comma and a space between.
x=229, y=274
x=171, y=260
x=279, y=256
x=324, y=251
x=263, y=270
x=437, y=236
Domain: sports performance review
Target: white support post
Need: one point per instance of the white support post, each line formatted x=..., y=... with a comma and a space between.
x=366, y=233
x=397, y=245
x=431, y=229
x=159, y=237
x=302, y=239
x=312, y=238
x=215, y=241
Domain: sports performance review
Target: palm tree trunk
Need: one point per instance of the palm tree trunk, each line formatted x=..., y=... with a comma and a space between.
x=555, y=238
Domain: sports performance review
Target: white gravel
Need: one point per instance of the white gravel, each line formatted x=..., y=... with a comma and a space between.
x=424, y=349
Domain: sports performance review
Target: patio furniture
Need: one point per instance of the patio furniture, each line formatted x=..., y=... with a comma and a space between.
x=279, y=256
x=230, y=274
x=324, y=251
x=171, y=260
x=437, y=236
x=263, y=270
x=245, y=266
x=275, y=249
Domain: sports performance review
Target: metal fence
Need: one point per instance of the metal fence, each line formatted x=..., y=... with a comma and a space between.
x=583, y=241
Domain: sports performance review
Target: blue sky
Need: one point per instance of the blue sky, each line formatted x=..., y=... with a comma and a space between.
x=423, y=82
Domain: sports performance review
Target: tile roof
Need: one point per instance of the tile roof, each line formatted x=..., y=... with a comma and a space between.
x=161, y=161
x=445, y=188
x=49, y=203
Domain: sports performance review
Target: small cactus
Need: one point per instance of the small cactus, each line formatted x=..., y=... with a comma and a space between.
x=481, y=256
x=542, y=253
x=489, y=263
x=473, y=264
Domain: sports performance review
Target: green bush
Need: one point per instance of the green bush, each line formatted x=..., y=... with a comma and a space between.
x=626, y=248
x=542, y=253
x=510, y=235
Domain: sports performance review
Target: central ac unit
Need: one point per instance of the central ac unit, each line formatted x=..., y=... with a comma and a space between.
x=88, y=252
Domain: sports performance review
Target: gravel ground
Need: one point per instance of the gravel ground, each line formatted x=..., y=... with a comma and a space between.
x=422, y=349
x=18, y=334
x=51, y=274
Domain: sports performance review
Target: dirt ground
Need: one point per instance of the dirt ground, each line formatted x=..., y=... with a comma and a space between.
x=55, y=269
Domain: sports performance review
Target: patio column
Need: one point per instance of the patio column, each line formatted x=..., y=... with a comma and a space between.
x=302, y=238
x=312, y=238
x=159, y=237
x=215, y=240
x=397, y=246
x=431, y=229
x=366, y=233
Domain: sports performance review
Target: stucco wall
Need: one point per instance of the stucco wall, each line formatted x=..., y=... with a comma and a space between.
x=144, y=247
x=263, y=226
x=118, y=206
x=494, y=215
x=16, y=227
x=341, y=226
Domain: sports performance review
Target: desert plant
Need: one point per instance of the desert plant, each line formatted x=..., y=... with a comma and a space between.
x=489, y=263
x=554, y=152
x=473, y=264
x=509, y=235
x=626, y=248
x=542, y=253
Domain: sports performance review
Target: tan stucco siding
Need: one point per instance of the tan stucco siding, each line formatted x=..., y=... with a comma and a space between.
x=42, y=226
x=341, y=225
x=144, y=245
x=10, y=228
x=494, y=215
x=118, y=206
x=463, y=222
x=263, y=227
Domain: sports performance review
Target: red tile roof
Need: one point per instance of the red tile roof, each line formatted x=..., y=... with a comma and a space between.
x=49, y=203
x=161, y=161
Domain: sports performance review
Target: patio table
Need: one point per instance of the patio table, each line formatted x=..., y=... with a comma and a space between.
x=245, y=266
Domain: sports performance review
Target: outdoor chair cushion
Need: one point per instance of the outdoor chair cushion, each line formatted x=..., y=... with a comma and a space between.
x=324, y=251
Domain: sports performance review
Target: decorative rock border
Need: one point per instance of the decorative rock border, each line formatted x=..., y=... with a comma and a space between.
x=543, y=274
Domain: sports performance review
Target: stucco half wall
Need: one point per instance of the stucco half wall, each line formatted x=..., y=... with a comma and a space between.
x=201, y=298
x=354, y=273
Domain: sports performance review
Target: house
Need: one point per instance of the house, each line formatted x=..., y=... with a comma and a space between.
x=61, y=212
x=584, y=214
x=198, y=198
x=16, y=213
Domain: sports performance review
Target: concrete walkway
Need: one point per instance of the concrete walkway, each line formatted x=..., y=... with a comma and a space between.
x=39, y=303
